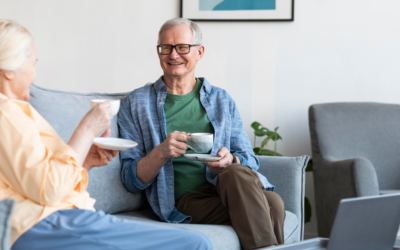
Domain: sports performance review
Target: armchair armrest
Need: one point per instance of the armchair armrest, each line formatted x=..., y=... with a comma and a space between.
x=287, y=174
x=336, y=180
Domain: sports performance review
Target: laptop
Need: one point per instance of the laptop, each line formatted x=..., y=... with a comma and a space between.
x=364, y=223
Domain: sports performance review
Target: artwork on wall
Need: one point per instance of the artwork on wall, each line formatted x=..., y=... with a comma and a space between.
x=238, y=10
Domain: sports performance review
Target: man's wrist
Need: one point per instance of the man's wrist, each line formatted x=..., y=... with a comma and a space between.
x=234, y=159
x=158, y=153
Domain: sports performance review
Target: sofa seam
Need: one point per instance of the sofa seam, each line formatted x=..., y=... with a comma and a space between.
x=297, y=226
x=302, y=197
x=79, y=94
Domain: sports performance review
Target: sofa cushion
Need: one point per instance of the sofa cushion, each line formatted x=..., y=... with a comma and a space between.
x=222, y=237
x=64, y=110
x=6, y=209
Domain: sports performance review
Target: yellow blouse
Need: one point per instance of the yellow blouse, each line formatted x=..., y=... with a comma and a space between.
x=37, y=169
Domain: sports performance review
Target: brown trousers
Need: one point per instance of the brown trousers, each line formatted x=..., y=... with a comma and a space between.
x=240, y=200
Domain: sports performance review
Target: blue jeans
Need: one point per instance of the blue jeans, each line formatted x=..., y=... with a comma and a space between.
x=83, y=229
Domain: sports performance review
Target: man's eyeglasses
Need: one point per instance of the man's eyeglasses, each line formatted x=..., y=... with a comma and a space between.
x=181, y=49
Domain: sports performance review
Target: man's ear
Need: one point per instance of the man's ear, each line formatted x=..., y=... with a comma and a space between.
x=9, y=75
x=200, y=52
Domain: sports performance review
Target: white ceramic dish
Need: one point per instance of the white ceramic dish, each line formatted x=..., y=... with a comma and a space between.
x=203, y=158
x=114, y=143
x=201, y=143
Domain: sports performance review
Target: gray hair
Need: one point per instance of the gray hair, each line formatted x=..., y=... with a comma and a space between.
x=15, y=45
x=196, y=31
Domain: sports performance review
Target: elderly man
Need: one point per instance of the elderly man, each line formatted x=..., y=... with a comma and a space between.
x=160, y=118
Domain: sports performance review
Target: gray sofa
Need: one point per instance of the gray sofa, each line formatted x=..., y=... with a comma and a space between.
x=356, y=152
x=64, y=110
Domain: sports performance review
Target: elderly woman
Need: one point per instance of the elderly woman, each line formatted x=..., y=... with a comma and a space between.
x=48, y=178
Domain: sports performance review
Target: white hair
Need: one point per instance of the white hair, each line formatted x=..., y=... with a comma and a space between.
x=15, y=45
x=196, y=31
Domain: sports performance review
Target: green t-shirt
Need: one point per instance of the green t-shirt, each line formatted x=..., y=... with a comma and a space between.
x=185, y=113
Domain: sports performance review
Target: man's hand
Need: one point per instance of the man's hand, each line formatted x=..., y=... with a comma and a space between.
x=98, y=156
x=175, y=145
x=218, y=166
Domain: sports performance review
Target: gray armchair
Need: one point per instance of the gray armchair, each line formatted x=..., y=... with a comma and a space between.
x=356, y=152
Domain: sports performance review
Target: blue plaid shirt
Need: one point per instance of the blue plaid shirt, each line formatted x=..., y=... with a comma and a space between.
x=142, y=119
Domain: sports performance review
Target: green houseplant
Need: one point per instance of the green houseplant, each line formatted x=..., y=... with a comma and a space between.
x=260, y=131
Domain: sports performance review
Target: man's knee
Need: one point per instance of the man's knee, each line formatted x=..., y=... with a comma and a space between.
x=236, y=170
x=275, y=201
x=236, y=175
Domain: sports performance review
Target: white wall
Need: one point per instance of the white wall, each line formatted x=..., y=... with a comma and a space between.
x=336, y=50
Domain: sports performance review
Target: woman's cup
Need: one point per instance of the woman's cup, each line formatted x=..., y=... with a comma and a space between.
x=113, y=102
x=202, y=142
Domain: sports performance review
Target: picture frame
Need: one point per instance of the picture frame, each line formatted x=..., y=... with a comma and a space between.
x=238, y=10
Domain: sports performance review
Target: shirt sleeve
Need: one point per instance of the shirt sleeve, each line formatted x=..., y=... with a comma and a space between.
x=240, y=143
x=41, y=174
x=129, y=130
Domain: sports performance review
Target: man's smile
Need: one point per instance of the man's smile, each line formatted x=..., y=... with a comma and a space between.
x=174, y=63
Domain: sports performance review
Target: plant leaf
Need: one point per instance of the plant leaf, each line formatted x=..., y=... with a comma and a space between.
x=255, y=125
x=268, y=152
x=259, y=133
x=278, y=137
x=265, y=141
x=256, y=150
x=270, y=132
x=276, y=129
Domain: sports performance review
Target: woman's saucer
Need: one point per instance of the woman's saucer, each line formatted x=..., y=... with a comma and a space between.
x=114, y=143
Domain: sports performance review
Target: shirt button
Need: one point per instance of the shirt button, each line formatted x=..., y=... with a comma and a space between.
x=208, y=90
x=165, y=88
x=170, y=206
x=159, y=118
x=170, y=187
x=157, y=89
x=161, y=100
x=169, y=163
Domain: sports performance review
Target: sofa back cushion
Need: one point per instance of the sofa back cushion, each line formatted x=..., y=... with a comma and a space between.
x=64, y=110
x=342, y=131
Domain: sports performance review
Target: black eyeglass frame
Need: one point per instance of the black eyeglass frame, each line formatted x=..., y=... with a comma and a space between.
x=174, y=46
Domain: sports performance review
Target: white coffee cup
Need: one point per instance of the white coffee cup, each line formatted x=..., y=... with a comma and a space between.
x=113, y=102
x=202, y=142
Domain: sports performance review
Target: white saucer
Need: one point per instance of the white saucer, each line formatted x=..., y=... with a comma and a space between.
x=203, y=158
x=114, y=143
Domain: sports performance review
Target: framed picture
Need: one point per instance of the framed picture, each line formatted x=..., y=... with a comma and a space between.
x=238, y=10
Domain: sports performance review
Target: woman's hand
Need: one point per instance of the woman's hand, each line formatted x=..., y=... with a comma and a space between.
x=95, y=122
x=98, y=119
x=98, y=156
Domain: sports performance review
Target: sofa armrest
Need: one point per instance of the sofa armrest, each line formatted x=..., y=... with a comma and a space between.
x=287, y=174
x=336, y=180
